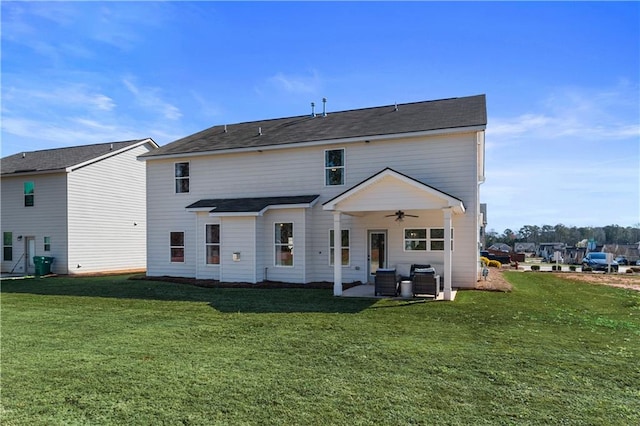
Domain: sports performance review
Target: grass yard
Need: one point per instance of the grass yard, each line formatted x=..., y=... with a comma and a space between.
x=113, y=351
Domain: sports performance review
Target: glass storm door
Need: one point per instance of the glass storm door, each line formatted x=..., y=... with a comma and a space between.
x=377, y=254
x=30, y=245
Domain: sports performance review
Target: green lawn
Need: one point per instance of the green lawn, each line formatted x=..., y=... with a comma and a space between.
x=114, y=351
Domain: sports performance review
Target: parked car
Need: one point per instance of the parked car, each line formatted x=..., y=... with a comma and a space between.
x=598, y=262
x=550, y=259
x=638, y=262
x=622, y=260
x=502, y=258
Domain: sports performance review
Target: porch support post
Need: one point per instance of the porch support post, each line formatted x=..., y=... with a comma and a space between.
x=337, y=254
x=447, y=254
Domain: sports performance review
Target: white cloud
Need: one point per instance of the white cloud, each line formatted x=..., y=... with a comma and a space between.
x=67, y=95
x=610, y=113
x=150, y=98
x=296, y=84
x=572, y=158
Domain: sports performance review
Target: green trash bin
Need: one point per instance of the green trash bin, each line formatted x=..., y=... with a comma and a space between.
x=43, y=265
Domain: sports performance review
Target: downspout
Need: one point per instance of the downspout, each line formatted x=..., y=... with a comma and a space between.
x=337, y=255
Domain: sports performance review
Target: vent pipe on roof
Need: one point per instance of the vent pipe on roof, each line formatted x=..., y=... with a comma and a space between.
x=259, y=131
x=395, y=108
x=225, y=128
x=313, y=109
x=24, y=154
x=111, y=147
x=324, y=107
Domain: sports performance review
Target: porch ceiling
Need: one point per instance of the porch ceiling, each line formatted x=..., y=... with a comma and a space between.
x=391, y=190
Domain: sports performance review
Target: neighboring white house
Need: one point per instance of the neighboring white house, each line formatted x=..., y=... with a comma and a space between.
x=84, y=206
x=262, y=200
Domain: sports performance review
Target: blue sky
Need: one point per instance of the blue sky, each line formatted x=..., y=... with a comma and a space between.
x=561, y=79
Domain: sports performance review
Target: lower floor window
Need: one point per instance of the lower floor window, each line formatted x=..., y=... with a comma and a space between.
x=425, y=239
x=436, y=239
x=7, y=246
x=212, y=244
x=284, y=244
x=47, y=243
x=177, y=246
x=344, y=247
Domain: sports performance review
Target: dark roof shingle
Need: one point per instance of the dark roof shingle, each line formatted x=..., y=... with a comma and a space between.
x=58, y=158
x=385, y=120
x=249, y=205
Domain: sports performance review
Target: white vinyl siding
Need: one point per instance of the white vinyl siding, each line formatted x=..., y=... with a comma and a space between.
x=107, y=214
x=445, y=162
x=47, y=217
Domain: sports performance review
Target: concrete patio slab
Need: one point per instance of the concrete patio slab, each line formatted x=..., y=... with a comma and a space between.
x=368, y=290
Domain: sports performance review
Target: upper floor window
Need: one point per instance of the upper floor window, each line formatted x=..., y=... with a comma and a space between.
x=425, y=239
x=344, y=247
x=182, y=177
x=177, y=246
x=334, y=167
x=212, y=244
x=7, y=246
x=29, y=189
x=47, y=243
x=284, y=244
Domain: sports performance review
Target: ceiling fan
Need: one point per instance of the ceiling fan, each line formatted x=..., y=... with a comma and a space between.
x=400, y=215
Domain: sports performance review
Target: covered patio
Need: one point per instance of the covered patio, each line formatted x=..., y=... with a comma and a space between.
x=391, y=191
x=368, y=291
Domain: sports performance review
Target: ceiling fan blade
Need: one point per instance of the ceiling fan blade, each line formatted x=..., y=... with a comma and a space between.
x=411, y=215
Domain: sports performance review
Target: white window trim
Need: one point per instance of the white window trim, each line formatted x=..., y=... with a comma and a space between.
x=293, y=245
x=341, y=247
x=184, y=247
x=5, y=246
x=428, y=239
x=175, y=178
x=344, y=167
x=25, y=195
x=219, y=244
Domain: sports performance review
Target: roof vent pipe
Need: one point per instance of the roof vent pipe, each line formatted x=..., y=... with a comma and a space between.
x=324, y=107
x=111, y=147
x=395, y=108
x=24, y=154
x=313, y=109
x=225, y=128
x=259, y=131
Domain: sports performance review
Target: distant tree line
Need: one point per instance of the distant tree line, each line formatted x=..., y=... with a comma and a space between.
x=570, y=235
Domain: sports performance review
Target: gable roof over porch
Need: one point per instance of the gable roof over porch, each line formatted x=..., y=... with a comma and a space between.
x=392, y=190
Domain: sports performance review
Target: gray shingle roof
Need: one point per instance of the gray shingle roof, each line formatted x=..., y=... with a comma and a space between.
x=385, y=120
x=58, y=158
x=249, y=205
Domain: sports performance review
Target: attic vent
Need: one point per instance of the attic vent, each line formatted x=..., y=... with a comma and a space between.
x=324, y=107
x=313, y=109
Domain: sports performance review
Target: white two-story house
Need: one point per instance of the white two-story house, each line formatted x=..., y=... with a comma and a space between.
x=265, y=200
x=84, y=206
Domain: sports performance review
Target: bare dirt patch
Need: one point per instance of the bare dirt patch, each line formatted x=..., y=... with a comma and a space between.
x=496, y=282
x=629, y=281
